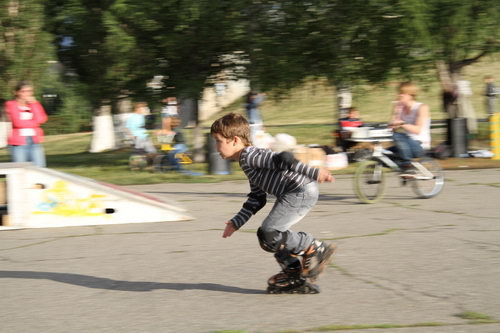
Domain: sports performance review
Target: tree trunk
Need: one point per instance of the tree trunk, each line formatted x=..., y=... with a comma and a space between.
x=457, y=132
x=344, y=100
x=198, y=151
x=103, y=135
x=449, y=92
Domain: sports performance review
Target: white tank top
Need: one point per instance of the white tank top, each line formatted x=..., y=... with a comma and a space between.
x=411, y=118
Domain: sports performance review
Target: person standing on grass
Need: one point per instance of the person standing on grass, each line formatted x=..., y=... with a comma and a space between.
x=169, y=110
x=491, y=95
x=26, y=115
x=136, y=126
x=253, y=101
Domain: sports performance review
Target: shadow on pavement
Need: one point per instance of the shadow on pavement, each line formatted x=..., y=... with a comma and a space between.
x=244, y=195
x=202, y=194
x=110, y=284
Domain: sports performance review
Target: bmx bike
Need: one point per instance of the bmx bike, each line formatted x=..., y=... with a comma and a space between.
x=370, y=175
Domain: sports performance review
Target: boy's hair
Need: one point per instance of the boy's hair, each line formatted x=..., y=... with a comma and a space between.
x=232, y=125
x=408, y=88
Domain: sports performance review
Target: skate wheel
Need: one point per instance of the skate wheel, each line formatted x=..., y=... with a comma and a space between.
x=311, y=289
x=273, y=290
x=307, y=288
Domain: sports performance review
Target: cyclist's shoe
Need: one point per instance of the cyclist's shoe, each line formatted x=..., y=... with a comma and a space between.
x=408, y=172
x=315, y=258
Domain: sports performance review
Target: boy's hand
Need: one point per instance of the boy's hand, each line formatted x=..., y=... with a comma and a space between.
x=325, y=176
x=230, y=229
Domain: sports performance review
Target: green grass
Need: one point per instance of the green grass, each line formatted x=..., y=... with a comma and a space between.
x=69, y=153
x=386, y=326
x=373, y=326
x=473, y=318
x=308, y=113
x=315, y=102
x=476, y=317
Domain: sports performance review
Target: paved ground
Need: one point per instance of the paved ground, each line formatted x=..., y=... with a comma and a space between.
x=404, y=262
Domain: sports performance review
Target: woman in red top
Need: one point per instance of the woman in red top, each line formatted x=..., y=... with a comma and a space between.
x=26, y=115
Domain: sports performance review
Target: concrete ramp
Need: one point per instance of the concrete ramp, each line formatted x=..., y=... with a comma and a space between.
x=33, y=197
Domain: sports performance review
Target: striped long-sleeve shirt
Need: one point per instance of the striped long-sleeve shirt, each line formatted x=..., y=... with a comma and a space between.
x=269, y=173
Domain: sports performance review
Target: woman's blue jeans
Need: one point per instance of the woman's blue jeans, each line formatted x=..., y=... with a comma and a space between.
x=30, y=152
x=407, y=148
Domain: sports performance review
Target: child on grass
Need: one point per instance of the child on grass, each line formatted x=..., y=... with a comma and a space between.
x=295, y=186
x=136, y=126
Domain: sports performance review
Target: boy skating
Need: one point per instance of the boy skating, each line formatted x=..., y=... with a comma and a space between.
x=301, y=257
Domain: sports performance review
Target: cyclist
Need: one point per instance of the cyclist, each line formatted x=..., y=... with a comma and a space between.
x=410, y=122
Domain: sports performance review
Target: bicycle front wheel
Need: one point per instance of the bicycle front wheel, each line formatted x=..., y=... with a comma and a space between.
x=429, y=180
x=369, y=181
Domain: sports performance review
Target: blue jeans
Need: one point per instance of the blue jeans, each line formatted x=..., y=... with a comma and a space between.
x=253, y=116
x=288, y=209
x=30, y=152
x=406, y=148
x=178, y=149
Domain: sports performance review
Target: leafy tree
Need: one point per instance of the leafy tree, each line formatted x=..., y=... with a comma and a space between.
x=193, y=41
x=450, y=34
x=355, y=41
x=25, y=48
x=116, y=46
x=102, y=52
x=289, y=41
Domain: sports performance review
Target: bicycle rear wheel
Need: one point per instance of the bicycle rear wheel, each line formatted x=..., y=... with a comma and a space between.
x=137, y=162
x=369, y=181
x=429, y=180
